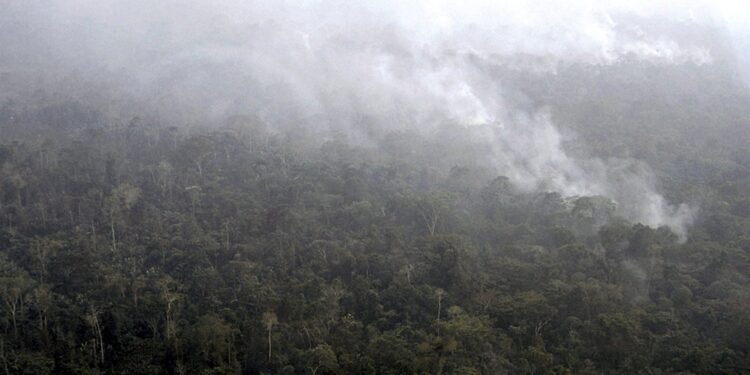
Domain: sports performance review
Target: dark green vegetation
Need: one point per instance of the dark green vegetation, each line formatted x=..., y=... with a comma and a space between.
x=142, y=249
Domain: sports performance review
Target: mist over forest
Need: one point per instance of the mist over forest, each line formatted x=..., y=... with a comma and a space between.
x=375, y=187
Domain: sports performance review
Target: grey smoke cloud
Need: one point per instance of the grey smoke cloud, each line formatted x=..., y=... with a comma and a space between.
x=400, y=64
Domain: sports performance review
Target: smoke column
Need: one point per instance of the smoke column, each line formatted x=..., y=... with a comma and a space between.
x=403, y=65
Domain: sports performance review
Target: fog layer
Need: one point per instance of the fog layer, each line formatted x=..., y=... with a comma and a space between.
x=391, y=65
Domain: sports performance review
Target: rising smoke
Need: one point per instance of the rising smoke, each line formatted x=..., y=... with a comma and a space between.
x=403, y=65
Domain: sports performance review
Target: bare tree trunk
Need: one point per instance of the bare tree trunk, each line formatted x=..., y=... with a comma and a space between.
x=430, y=219
x=112, y=227
x=269, y=345
x=101, y=340
x=94, y=320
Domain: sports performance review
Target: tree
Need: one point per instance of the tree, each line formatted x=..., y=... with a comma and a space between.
x=122, y=199
x=93, y=320
x=321, y=357
x=15, y=284
x=213, y=336
x=432, y=208
x=269, y=320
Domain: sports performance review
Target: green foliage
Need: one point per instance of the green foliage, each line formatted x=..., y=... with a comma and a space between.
x=148, y=250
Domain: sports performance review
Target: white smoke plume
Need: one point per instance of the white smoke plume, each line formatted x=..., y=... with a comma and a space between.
x=399, y=63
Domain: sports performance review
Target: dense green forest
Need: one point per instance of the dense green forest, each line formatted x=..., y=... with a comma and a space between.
x=130, y=247
x=374, y=187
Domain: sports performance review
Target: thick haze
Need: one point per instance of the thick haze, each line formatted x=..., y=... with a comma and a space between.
x=394, y=65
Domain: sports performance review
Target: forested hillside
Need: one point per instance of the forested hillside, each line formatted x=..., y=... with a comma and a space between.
x=134, y=248
x=374, y=187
